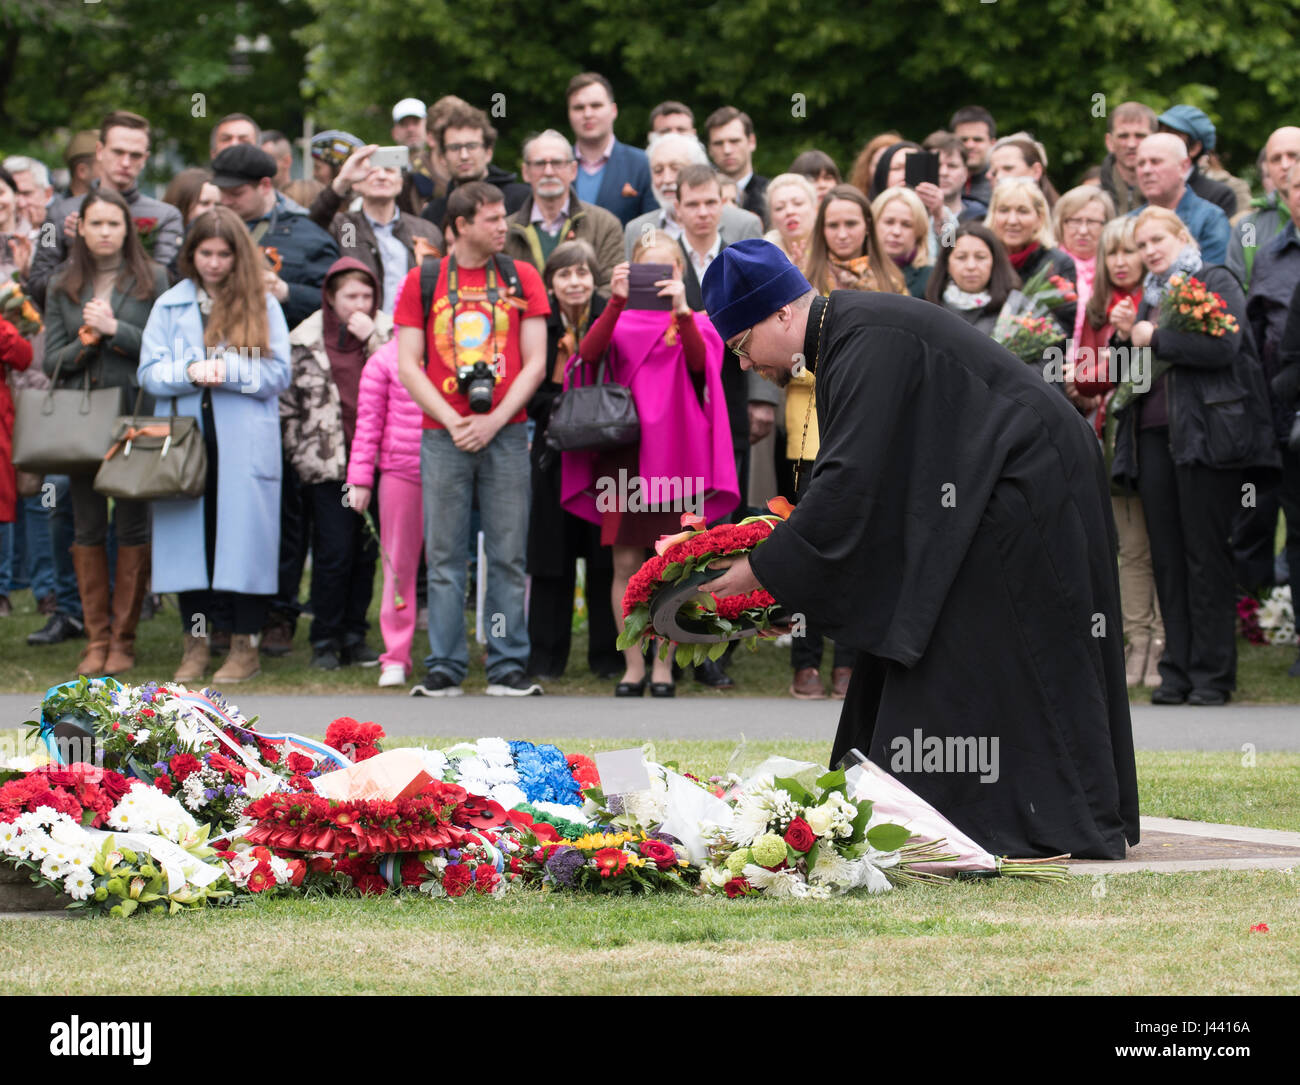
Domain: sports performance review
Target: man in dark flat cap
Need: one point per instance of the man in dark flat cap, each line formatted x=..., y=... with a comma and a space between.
x=246, y=176
x=956, y=531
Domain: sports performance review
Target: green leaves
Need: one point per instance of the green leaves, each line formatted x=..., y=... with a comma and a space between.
x=888, y=837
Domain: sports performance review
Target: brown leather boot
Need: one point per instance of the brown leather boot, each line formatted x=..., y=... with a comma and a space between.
x=242, y=663
x=128, y=594
x=91, y=565
x=807, y=685
x=194, y=662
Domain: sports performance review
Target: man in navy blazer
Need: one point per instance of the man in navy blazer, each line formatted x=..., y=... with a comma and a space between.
x=611, y=174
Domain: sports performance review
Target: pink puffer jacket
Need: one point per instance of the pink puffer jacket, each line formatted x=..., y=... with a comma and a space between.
x=388, y=423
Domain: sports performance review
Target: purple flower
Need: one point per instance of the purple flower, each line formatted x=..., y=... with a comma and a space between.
x=231, y=791
x=667, y=838
x=160, y=766
x=564, y=864
x=209, y=793
x=453, y=854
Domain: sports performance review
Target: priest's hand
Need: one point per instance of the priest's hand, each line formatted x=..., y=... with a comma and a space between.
x=737, y=580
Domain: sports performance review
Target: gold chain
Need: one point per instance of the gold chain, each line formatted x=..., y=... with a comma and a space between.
x=812, y=395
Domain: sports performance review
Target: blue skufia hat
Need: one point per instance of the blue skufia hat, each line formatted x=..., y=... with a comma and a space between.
x=1191, y=122
x=746, y=283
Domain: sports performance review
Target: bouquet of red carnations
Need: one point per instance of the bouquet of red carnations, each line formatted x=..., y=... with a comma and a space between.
x=1189, y=306
x=678, y=567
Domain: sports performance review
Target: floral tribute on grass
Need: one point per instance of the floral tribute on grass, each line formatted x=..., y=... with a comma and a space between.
x=678, y=558
x=427, y=821
x=1271, y=621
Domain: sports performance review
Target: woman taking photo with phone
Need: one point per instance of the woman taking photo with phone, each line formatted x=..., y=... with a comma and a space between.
x=97, y=306
x=217, y=348
x=671, y=359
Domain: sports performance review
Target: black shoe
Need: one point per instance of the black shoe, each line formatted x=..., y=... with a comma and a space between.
x=665, y=689
x=359, y=654
x=711, y=674
x=325, y=656
x=514, y=684
x=1165, y=695
x=437, y=684
x=59, y=628
x=1208, y=698
x=630, y=689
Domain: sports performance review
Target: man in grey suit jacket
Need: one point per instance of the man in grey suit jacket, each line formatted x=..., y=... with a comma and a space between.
x=669, y=154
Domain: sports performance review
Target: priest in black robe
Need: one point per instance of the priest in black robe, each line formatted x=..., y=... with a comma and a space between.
x=956, y=532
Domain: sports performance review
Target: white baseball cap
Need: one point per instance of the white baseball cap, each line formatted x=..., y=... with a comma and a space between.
x=409, y=107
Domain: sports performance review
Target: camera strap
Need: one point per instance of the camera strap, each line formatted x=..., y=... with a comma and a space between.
x=453, y=299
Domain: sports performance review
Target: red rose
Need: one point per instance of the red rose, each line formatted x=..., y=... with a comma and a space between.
x=800, y=835
x=485, y=879
x=662, y=855
x=737, y=887
x=456, y=879
x=184, y=765
x=163, y=783
x=297, y=762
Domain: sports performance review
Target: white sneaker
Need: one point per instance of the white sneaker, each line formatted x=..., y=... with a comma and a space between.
x=393, y=674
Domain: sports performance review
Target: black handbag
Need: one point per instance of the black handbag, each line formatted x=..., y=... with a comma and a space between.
x=593, y=416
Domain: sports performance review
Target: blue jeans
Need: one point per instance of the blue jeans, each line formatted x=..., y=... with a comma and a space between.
x=449, y=478
x=46, y=523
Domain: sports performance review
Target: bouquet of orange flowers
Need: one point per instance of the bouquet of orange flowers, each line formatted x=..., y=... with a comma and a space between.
x=1189, y=306
x=17, y=308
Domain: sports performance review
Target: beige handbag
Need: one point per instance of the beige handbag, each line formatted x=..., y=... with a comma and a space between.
x=154, y=459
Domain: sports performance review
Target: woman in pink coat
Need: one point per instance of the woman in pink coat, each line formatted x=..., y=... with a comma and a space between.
x=388, y=440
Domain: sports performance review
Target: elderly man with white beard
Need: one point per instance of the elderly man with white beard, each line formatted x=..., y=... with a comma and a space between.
x=669, y=154
x=553, y=213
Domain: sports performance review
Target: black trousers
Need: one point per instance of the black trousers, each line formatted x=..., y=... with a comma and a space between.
x=205, y=610
x=1253, y=533
x=295, y=538
x=1288, y=494
x=1189, y=513
x=806, y=650
x=343, y=558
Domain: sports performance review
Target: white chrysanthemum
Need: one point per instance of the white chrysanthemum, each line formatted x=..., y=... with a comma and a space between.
x=497, y=775
x=473, y=768
x=435, y=763
x=750, y=818
x=776, y=883
x=38, y=845
x=509, y=795
x=834, y=870
x=54, y=868
x=79, y=883
x=45, y=816
x=11, y=839
x=141, y=736
x=494, y=750
x=28, y=822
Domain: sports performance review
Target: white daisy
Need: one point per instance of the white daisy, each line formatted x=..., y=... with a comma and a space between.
x=776, y=883
x=79, y=883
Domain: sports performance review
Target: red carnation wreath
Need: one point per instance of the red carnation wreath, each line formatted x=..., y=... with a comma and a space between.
x=679, y=558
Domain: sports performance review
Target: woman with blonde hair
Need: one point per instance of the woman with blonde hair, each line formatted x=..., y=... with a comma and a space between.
x=1017, y=155
x=1078, y=220
x=903, y=224
x=1019, y=216
x=1118, y=279
x=1194, y=423
x=216, y=348
x=792, y=207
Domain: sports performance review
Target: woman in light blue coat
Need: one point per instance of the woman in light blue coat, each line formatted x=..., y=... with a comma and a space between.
x=217, y=345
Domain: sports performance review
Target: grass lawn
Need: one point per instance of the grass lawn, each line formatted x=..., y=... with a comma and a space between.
x=1261, y=672
x=1146, y=934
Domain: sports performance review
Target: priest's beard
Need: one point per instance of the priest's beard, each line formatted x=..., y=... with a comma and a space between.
x=779, y=377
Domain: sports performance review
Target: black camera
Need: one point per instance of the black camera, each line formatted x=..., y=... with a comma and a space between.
x=475, y=382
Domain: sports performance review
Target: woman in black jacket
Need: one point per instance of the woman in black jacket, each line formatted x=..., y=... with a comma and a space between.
x=1197, y=426
x=96, y=309
x=556, y=539
x=973, y=276
x=1019, y=215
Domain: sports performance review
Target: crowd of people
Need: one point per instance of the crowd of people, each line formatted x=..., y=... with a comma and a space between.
x=374, y=354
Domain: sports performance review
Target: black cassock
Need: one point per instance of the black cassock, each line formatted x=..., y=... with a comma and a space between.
x=957, y=532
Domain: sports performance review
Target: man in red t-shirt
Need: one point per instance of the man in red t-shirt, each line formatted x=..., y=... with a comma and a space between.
x=485, y=330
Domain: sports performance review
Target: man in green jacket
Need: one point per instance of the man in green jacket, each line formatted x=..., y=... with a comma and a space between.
x=553, y=212
x=1253, y=232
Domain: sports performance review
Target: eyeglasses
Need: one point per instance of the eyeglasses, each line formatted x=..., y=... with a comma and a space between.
x=1085, y=224
x=462, y=148
x=556, y=164
x=739, y=348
